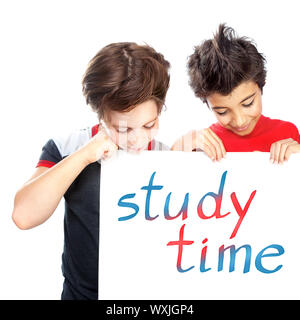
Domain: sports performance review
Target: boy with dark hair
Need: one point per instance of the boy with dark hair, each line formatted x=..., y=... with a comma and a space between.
x=126, y=84
x=228, y=74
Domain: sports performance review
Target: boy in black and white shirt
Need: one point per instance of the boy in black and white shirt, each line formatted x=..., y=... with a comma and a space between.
x=126, y=84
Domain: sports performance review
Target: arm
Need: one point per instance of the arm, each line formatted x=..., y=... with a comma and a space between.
x=38, y=198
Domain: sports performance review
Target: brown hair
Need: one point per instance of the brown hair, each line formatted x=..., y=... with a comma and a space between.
x=123, y=75
x=220, y=64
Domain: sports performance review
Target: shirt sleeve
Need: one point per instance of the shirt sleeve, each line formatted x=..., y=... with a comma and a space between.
x=297, y=135
x=294, y=132
x=50, y=155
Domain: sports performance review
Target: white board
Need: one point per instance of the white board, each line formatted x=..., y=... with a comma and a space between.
x=141, y=253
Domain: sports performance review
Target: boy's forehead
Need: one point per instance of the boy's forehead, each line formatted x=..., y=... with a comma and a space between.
x=138, y=116
x=236, y=95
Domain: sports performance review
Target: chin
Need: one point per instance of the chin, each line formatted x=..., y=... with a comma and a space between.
x=135, y=151
x=242, y=133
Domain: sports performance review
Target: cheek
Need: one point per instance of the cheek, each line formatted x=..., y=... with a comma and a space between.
x=256, y=110
x=116, y=137
x=121, y=139
x=153, y=131
x=146, y=135
x=223, y=120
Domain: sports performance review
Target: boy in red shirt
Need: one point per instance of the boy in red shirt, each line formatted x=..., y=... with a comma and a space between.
x=228, y=74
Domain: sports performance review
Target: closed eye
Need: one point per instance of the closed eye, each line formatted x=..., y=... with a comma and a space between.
x=122, y=130
x=221, y=113
x=249, y=104
x=150, y=125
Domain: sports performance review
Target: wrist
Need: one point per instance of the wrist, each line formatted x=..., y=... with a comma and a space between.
x=84, y=156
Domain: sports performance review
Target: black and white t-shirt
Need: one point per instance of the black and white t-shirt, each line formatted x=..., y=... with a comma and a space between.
x=81, y=221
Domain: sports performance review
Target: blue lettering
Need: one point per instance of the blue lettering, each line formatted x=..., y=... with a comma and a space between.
x=124, y=204
x=258, y=263
x=149, y=189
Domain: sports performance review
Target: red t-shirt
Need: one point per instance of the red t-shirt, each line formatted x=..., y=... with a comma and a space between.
x=266, y=132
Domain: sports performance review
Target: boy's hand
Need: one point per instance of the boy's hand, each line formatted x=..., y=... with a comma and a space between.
x=99, y=147
x=205, y=139
x=281, y=150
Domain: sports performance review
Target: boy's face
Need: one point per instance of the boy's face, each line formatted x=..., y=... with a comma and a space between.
x=240, y=110
x=133, y=130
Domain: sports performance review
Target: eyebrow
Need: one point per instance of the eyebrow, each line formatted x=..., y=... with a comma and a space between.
x=250, y=96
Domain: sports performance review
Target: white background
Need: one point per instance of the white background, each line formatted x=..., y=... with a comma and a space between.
x=45, y=48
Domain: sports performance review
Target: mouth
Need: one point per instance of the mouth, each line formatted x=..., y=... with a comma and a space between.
x=241, y=129
x=130, y=149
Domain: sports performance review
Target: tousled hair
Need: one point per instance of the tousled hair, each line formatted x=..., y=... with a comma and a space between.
x=220, y=64
x=123, y=75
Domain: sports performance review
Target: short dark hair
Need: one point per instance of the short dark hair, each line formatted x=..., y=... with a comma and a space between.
x=220, y=64
x=123, y=75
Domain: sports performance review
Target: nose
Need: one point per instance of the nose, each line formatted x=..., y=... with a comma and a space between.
x=132, y=137
x=240, y=120
x=137, y=138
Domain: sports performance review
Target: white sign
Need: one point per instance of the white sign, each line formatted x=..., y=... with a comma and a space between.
x=175, y=225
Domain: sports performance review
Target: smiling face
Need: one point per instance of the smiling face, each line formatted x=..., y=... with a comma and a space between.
x=133, y=130
x=240, y=110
